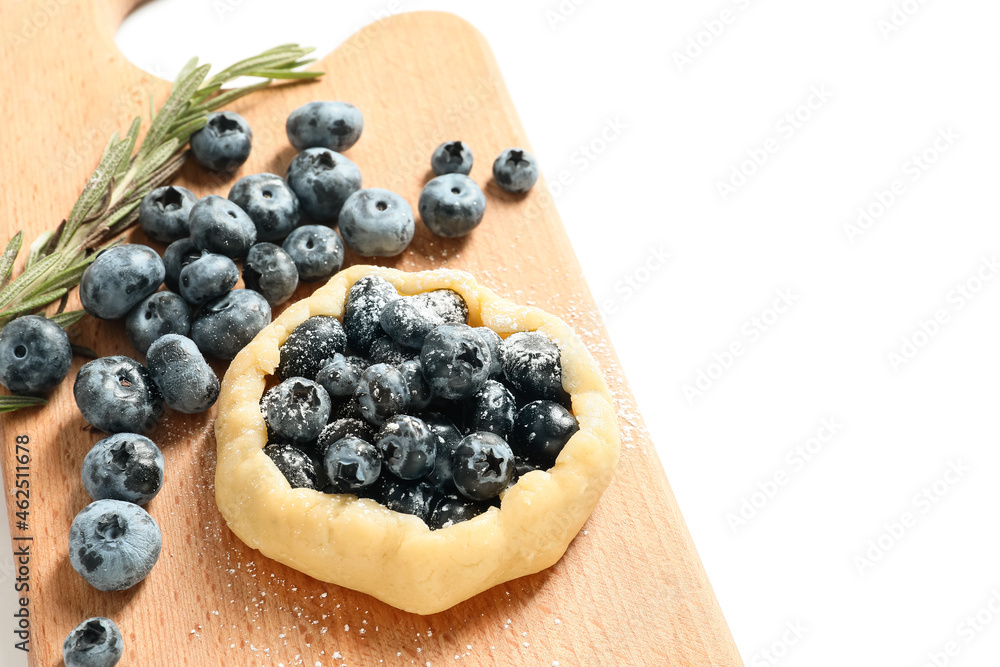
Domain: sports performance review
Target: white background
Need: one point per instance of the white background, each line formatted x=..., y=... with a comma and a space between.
x=886, y=93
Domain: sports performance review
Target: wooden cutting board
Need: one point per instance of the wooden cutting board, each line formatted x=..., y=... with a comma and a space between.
x=630, y=590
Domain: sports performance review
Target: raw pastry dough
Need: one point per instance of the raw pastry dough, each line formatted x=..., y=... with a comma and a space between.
x=362, y=545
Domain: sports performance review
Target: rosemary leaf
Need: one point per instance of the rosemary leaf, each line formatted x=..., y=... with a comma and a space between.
x=23, y=281
x=8, y=257
x=284, y=74
x=37, y=249
x=69, y=318
x=39, y=301
x=11, y=403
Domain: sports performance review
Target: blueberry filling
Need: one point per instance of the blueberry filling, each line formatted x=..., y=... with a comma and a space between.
x=412, y=407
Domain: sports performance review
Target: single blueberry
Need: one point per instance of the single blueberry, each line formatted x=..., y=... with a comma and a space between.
x=532, y=365
x=409, y=319
x=119, y=278
x=163, y=213
x=270, y=270
x=408, y=446
x=381, y=393
x=343, y=428
x=117, y=395
x=309, y=345
x=420, y=394
x=124, y=466
x=297, y=410
x=495, y=342
x=224, y=326
x=352, y=464
x=403, y=496
x=448, y=304
x=317, y=251
x=365, y=301
x=447, y=510
x=224, y=143
x=483, y=466
x=294, y=464
x=158, y=314
x=178, y=255
x=541, y=430
x=323, y=180
x=208, y=277
x=456, y=361
x=376, y=223
x=340, y=375
x=385, y=350
x=221, y=227
x=447, y=437
x=515, y=170
x=97, y=642
x=451, y=157
x=35, y=354
x=491, y=409
x=324, y=124
x=270, y=204
x=452, y=205
x=185, y=380
x=114, y=544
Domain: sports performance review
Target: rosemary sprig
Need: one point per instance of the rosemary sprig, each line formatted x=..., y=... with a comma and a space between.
x=108, y=204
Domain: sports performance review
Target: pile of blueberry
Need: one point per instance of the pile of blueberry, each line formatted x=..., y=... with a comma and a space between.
x=405, y=403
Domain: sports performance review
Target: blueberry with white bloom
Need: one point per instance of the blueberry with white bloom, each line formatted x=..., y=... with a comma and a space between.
x=404, y=496
x=119, y=278
x=185, y=380
x=532, y=365
x=483, y=466
x=270, y=270
x=420, y=394
x=208, y=277
x=224, y=143
x=221, y=227
x=447, y=510
x=308, y=347
x=381, y=393
x=456, y=361
x=515, y=170
x=35, y=354
x=352, y=464
x=294, y=464
x=494, y=341
x=447, y=436
x=269, y=202
x=408, y=446
x=323, y=180
x=224, y=326
x=409, y=319
x=163, y=213
x=158, y=314
x=452, y=157
x=491, y=409
x=114, y=544
x=452, y=205
x=385, y=350
x=376, y=223
x=297, y=410
x=541, y=430
x=124, y=466
x=340, y=375
x=365, y=301
x=325, y=124
x=316, y=250
x=178, y=255
x=97, y=642
x=117, y=395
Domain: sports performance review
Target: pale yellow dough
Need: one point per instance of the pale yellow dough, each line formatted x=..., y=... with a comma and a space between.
x=360, y=544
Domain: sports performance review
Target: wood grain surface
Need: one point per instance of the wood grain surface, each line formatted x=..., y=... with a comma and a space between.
x=630, y=590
